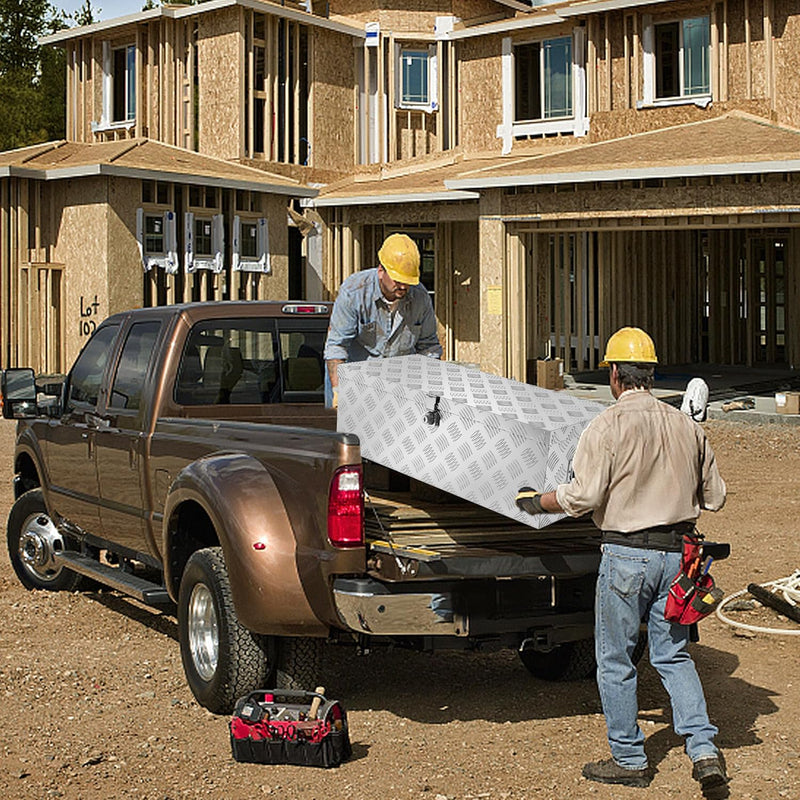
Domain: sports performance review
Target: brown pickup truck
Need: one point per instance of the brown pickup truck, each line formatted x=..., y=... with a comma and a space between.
x=188, y=460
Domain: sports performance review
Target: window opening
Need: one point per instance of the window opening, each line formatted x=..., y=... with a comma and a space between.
x=682, y=58
x=543, y=80
x=124, y=84
x=414, y=85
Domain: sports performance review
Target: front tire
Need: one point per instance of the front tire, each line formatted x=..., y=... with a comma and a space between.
x=33, y=540
x=223, y=661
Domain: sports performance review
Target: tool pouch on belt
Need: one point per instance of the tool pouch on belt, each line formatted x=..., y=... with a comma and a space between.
x=279, y=726
x=692, y=594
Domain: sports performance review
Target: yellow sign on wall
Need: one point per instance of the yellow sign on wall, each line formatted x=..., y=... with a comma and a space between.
x=494, y=300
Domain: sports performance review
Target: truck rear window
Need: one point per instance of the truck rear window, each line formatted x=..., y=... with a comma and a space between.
x=248, y=361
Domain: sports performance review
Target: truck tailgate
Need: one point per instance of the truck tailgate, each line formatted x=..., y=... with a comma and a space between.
x=412, y=539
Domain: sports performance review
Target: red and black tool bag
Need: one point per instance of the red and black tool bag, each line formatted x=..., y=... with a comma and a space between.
x=275, y=726
x=692, y=594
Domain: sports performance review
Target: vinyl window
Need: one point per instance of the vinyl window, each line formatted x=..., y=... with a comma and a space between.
x=543, y=80
x=682, y=58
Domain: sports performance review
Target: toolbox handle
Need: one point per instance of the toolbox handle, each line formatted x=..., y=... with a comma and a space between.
x=284, y=694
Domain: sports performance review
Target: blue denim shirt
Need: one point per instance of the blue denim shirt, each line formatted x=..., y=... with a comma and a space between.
x=361, y=322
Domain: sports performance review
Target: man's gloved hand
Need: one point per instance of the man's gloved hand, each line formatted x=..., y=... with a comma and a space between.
x=530, y=501
x=335, y=401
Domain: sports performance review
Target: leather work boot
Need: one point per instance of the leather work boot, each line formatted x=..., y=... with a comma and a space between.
x=710, y=774
x=608, y=771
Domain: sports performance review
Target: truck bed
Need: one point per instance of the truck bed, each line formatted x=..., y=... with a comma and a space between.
x=413, y=538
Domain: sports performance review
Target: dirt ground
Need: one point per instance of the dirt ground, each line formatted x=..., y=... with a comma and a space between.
x=94, y=704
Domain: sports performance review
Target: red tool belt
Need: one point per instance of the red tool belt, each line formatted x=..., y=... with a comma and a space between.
x=692, y=594
x=278, y=726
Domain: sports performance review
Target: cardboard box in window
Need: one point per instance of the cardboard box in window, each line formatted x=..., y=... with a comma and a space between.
x=550, y=374
x=787, y=402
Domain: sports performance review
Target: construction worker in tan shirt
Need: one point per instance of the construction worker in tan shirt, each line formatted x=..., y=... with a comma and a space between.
x=645, y=470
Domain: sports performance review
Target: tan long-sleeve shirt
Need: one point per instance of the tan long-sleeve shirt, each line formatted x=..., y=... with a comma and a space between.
x=642, y=463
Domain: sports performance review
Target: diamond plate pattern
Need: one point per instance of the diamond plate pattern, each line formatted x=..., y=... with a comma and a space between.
x=494, y=436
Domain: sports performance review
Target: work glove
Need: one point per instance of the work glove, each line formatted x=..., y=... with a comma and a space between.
x=530, y=501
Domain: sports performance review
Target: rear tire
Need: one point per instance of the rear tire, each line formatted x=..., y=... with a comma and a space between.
x=32, y=540
x=299, y=663
x=571, y=661
x=222, y=660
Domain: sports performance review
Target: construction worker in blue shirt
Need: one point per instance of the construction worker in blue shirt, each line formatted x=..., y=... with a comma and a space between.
x=381, y=312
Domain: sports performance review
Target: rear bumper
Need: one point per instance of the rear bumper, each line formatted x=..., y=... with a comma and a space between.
x=368, y=606
x=543, y=611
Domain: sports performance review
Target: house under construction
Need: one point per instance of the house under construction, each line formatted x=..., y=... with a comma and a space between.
x=565, y=169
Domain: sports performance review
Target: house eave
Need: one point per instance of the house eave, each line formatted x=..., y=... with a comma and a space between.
x=393, y=199
x=625, y=174
x=141, y=173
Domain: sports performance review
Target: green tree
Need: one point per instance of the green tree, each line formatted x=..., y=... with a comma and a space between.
x=32, y=77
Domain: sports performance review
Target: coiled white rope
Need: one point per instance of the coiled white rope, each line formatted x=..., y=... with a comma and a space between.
x=789, y=587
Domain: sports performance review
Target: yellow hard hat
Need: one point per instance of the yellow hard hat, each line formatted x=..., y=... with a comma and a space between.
x=630, y=345
x=400, y=258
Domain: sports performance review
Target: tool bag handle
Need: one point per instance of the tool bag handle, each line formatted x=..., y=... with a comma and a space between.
x=257, y=696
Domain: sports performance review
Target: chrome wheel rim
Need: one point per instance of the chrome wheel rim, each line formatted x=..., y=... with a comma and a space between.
x=203, y=632
x=38, y=544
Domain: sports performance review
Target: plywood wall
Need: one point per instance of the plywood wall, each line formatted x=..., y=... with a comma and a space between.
x=220, y=47
x=480, y=93
x=332, y=77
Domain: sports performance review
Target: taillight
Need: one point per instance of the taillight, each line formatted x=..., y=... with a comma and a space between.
x=346, y=508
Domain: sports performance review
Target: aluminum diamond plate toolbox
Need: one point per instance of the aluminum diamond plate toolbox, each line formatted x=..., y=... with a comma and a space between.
x=476, y=435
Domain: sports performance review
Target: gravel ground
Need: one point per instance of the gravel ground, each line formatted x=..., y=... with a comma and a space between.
x=95, y=704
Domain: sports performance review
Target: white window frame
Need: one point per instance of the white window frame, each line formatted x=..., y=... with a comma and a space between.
x=261, y=261
x=432, y=102
x=194, y=261
x=107, y=121
x=168, y=258
x=577, y=124
x=649, y=99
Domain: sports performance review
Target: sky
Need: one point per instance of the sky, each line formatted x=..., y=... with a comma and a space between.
x=105, y=9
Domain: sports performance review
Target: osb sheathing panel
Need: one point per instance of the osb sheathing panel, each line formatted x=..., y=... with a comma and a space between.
x=125, y=267
x=416, y=134
x=480, y=93
x=466, y=292
x=787, y=63
x=333, y=78
x=758, y=50
x=83, y=248
x=370, y=10
x=616, y=124
x=276, y=285
x=413, y=213
x=591, y=205
x=492, y=246
x=220, y=81
x=96, y=110
x=737, y=52
x=616, y=37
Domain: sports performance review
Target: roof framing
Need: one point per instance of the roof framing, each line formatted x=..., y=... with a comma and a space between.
x=178, y=12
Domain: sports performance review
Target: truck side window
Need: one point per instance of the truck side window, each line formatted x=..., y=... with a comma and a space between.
x=87, y=373
x=303, y=366
x=228, y=362
x=126, y=390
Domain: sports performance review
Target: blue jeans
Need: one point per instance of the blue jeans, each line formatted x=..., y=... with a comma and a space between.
x=632, y=586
